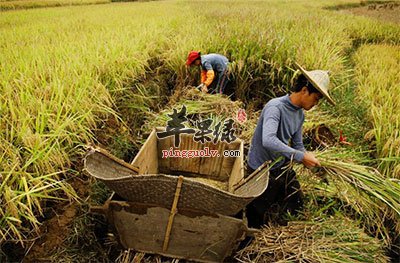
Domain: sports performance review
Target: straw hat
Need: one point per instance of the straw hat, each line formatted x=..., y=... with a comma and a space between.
x=320, y=80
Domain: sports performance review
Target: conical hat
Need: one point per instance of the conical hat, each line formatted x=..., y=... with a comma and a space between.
x=320, y=80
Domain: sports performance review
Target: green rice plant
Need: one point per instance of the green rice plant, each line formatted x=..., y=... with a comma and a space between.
x=264, y=48
x=22, y=199
x=367, y=31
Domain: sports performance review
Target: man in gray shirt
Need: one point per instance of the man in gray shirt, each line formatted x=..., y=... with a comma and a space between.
x=278, y=138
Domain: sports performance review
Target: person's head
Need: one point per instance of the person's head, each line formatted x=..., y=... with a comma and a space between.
x=308, y=95
x=193, y=58
x=311, y=86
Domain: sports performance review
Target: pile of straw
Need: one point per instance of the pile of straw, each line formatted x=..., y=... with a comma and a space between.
x=333, y=240
x=214, y=183
x=199, y=105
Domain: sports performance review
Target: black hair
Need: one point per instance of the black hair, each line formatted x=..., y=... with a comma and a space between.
x=301, y=82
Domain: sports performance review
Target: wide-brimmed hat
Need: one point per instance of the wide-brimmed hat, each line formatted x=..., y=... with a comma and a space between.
x=320, y=80
x=193, y=55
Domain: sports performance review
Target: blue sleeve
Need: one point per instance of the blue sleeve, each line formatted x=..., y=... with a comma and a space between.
x=297, y=140
x=207, y=65
x=270, y=139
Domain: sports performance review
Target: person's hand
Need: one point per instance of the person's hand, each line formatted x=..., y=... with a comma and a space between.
x=309, y=160
x=202, y=87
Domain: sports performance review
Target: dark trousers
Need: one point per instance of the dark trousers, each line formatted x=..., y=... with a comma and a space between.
x=219, y=83
x=282, y=195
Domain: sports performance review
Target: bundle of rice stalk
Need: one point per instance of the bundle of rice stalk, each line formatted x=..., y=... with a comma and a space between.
x=199, y=106
x=216, y=103
x=337, y=239
x=334, y=194
x=371, y=195
x=129, y=256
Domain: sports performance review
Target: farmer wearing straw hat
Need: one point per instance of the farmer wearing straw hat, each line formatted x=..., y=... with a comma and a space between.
x=278, y=138
x=214, y=71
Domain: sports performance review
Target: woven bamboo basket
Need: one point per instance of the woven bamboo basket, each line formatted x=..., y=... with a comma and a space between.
x=192, y=236
x=152, y=180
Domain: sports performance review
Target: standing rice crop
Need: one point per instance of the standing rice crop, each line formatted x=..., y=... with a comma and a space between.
x=58, y=83
x=8, y=5
x=378, y=82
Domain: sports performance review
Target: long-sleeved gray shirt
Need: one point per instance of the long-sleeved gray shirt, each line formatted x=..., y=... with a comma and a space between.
x=280, y=122
x=214, y=62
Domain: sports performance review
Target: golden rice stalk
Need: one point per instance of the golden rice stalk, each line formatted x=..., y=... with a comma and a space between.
x=372, y=197
x=336, y=239
x=199, y=106
x=366, y=179
x=214, y=183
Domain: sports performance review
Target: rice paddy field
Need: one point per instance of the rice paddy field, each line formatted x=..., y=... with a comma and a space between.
x=79, y=73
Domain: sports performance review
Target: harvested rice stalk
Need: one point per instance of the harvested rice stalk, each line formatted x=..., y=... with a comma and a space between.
x=373, y=198
x=215, y=103
x=199, y=105
x=337, y=194
x=214, y=183
x=334, y=240
x=366, y=179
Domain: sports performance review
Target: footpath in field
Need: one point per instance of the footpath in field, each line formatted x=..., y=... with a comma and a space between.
x=388, y=11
